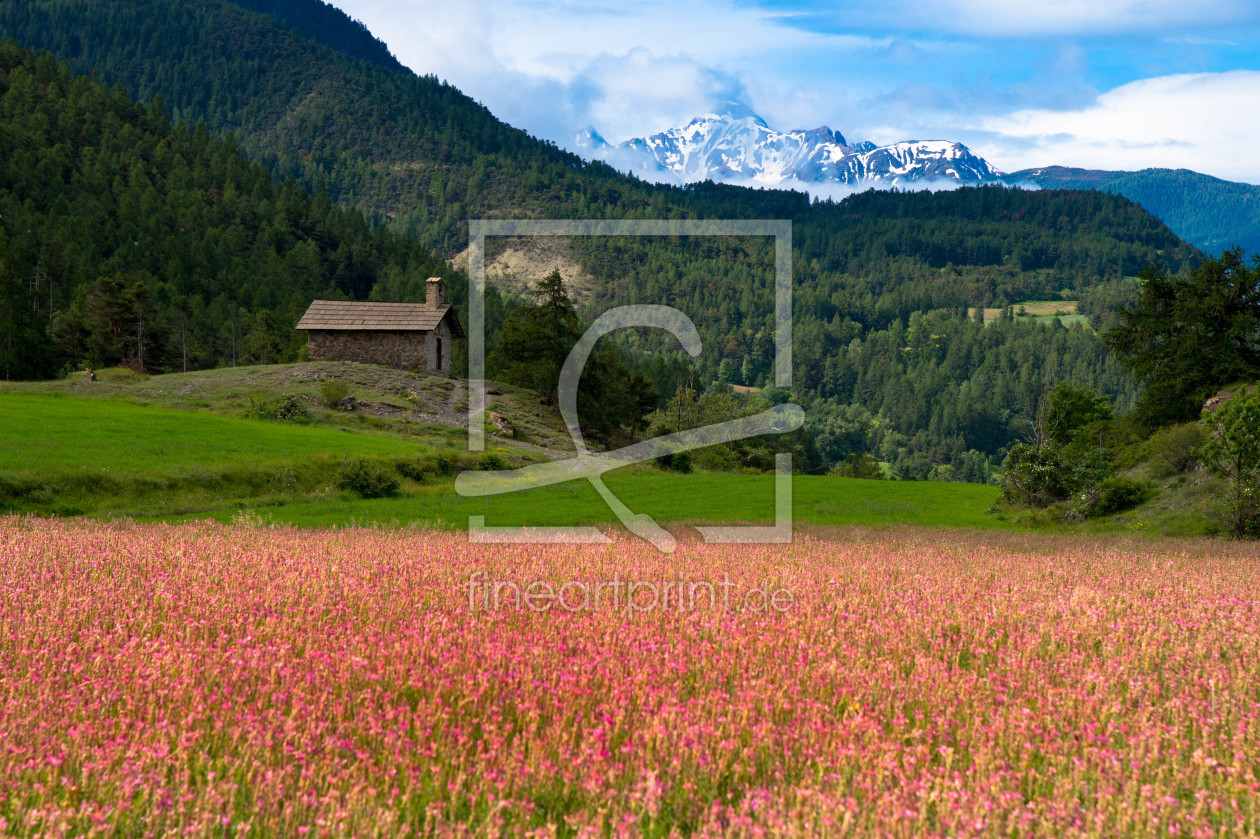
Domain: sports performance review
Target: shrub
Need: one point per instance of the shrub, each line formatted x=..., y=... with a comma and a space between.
x=859, y=466
x=1133, y=454
x=260, y=408
x=445, y=464
x=415, y=469
x=676, y=461
x=368, y=478
x=1173, y=449
x=1110, y=495
x=1116, y=494
x=716, y=459
x=1034, y=475
x=288, y=407
x=333, y=392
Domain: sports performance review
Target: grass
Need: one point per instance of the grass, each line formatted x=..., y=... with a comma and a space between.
x=110, y=457
x=1043, y=311
x=666, y=496
x=178, y=447
x=388, y=402
x=100, y=456
x=42, y=433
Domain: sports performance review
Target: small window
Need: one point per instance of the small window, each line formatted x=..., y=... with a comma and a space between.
x=439, y=353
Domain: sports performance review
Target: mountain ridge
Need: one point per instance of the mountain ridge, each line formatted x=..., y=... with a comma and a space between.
x=1212, y=213
x=734, y=145
x=737, y=145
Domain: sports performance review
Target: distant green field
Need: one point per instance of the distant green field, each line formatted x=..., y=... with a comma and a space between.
x=1042, y=311
x=1066, y=320
x=667, y=497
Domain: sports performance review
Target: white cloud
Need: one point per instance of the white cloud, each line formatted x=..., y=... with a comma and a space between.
x=632, y=69
x=641, y=93
x=1204, y=121
x=555, y=68
x=556, y=39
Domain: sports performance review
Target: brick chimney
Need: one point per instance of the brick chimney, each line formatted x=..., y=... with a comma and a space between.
x=435, y=296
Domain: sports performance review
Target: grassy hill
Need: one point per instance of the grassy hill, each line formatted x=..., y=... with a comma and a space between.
x=136, y=445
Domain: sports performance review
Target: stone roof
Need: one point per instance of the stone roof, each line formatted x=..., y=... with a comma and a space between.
x=355, y=315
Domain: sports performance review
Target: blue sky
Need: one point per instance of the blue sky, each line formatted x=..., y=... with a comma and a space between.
x=1114, y=85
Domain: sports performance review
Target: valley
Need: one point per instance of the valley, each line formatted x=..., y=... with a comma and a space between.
x=939, y=510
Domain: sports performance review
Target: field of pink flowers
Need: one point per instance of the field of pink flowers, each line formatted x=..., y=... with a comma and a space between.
x=207, y=680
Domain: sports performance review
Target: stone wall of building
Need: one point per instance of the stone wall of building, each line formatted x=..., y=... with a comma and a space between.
x=404, y=350
x=427, y=352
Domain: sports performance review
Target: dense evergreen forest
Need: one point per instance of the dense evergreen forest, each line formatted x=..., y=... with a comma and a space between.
x=411, y=149
x=126, y=239
x=887, y=355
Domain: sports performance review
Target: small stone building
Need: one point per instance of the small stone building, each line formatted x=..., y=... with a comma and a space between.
x=410, y=336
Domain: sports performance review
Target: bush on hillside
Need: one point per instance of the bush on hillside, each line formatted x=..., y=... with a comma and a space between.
x=367, y=478
x=1173, y=449
x=1111, y=495
x=288, y=407
x=332, y=392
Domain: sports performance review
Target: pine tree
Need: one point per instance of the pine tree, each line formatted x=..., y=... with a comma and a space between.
x=536, y=340
x=1189, y=335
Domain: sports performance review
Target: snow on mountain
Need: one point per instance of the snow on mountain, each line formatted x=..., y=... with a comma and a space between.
x=738, y=146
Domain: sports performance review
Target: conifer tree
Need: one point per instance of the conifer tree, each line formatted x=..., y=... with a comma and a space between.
x=1189, y=335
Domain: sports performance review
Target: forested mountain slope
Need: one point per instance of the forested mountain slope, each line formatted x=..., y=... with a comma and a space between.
x=124, y=238
x=410, y=148
x=1212, y=213
x=313, y=102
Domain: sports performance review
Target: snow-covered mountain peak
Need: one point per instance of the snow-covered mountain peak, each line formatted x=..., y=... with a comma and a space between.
x=737, y=145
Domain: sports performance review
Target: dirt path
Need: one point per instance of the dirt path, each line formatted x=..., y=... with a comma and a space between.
x=457, y=395
x=551, y=453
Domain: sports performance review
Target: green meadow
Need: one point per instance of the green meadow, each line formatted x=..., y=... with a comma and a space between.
x=110, y=457
x=666, y=496
x=67, y=455
x=53, y=434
